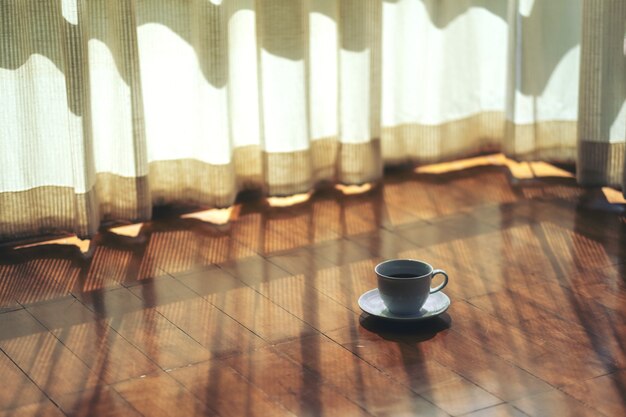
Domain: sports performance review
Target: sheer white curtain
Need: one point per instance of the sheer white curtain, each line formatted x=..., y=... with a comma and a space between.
x=108, y=107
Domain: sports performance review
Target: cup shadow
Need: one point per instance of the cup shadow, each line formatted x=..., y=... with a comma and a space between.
x=406, y=331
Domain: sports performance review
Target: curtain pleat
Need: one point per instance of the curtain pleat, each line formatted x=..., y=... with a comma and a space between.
x=109, y=107
x=443, y=79
x=542, y=79
x=47, y=172
x=602, y=114
x=115, y=111
x=359, y=64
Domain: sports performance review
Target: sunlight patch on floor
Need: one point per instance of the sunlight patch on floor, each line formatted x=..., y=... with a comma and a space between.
x=354, y=189
x=81, y=244
x=213, y=216
x=289, y=200
x=613, y=196
x=460, y=164
x=128, y=230
x=519, y=170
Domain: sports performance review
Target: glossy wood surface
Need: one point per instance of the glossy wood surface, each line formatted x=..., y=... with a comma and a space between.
x=259, y=316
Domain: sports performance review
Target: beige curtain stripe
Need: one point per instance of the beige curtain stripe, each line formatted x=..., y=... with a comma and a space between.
x=423, y=144
x=550, y=140
x=45, y=210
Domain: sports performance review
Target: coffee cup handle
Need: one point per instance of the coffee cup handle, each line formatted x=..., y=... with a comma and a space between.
x=443, y=284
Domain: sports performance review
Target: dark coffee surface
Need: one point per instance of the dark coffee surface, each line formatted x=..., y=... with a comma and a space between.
x=402, y=275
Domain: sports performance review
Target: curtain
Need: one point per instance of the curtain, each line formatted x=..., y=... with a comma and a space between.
x=110, y=107
x=602, y=127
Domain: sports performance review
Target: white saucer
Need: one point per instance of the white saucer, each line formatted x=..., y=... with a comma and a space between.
x=436, y=304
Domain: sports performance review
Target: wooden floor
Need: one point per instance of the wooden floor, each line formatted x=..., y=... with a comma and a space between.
x=259, y=316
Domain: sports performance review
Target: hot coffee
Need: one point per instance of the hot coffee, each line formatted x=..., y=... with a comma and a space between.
x=402, y=275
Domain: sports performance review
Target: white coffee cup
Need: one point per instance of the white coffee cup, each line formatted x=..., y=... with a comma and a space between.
x=404, y=284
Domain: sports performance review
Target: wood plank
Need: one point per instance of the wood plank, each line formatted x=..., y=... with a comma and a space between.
x=292, y=293
x=299, y=390
x=606, y=393
x=99, y=346
x=159, y=395
x=226, y=391
x=355, y=379
x=553, y=403
x=206, y=324
x=16, y=389
x=146, y=329
x=101, y=401
x=41, y=356
x=42, y=409
x=501, y=410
